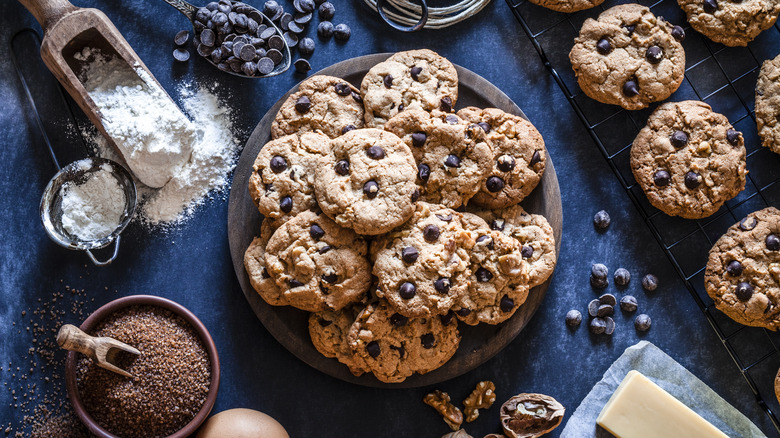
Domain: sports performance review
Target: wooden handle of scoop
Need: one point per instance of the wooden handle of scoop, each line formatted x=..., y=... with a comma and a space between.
x=48, y=12
x=73, y=338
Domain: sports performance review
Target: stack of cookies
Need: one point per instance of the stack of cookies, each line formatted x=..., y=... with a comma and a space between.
x=391, y=217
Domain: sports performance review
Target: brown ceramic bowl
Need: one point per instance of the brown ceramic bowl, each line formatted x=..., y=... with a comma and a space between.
x=144, y=300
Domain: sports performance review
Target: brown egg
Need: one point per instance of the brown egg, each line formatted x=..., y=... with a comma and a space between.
x=242, y=423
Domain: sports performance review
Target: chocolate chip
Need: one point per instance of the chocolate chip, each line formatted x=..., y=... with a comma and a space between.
x=415, y=72
x=181, y=38
x=303, y=6
x=748, y=223
x=733, y=137
x=401, y=350
x=483, y=275
x=407, y=290
x=342, y=167
x=249, y=68
x=505, y=163
x=710, y=6
x=371, y=189
x=418, y=139
x=622, y=277
x=692, y=180
x=601, y=220
x=608, y=299
x=463, y=311
x=743, y=291
x=679, y=139
x=610, y=328
x=324, y=249
x=207, y=37
x=343, y=89
x=442, y=285
x=603, y=46
x=286, y=204
x=324, y=322
x=447, y=318
x=605, y=310
x=431, y=233
x=494, y=184
x=181, y=55
x=678, y=33
x=631, y=88
x=388, y=81
x=264, y=273
x=628, y=303
x=303, y=104
x=593, y=308
x=409, y=254
x=654, y=54
x=661, y=178
x=330, y=278
x=265, y=65
x=303, y=18
x=599, y=283
x=428, y=341
x=294, y=283
x=375, y=152
x=536, y=158
x=306, y=46
x=598, y=326
x=278, y=164
x=497, y=224
x=423, y=172
x=735, y=268
x=373, y=349
x=772, y=242
x=446, y=218
x=341, y=32
x=630, y=28
x=573, y=318
x=649, y=282
x=452, y=161
x=356, y=97
x=506, y=304
x=527, y=251
x=599, y=270
x=316, y=232
x=485, y=238
x=398, y=320
x=642, y=323
x=325, y=29
x=446, y=104
x=415, y=195
x=327, y=11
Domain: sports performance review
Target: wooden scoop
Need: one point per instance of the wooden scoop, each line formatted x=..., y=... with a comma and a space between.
x=102, y=350
x=67, y=30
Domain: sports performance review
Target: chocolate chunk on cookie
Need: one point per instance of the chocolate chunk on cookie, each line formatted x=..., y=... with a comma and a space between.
x=282, y=184
x=254, y=262
x=733, y=23
x=328, y=330
x=688, y=159
x=743, y=270
x=367, y=181
x=768, y=104
x=422, y=267
x=318, y=264
x=567, y=5
x=519, y=156
x=415, y=79
x=534, y=234
x=453, y=158
x=325, y=104
x=393, y=347
x=628, y=57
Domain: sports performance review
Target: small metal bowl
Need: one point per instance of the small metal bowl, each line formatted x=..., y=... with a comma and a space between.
x=145, y=300
x=51, y=205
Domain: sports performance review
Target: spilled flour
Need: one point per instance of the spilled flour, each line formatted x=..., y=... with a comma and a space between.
x=214, y=156
x=93, y=210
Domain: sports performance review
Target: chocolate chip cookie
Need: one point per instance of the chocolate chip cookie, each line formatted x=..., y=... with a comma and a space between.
x=329, y=329
x=733, y=23
x=567, y=5
x=519, y=156
x=534, y=234
x=743, y=270
x=422, y=268
x=367, y=181
x=325, y=104
x=453, y=157
x=415, y=79
x=394, y=347
x=628, y=57
x=318, y=264
x=282, y=184
x=498, y=283
x=688, y=159
x=254, y=262
x=768, y=104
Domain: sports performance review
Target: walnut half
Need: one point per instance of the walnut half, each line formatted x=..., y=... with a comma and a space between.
x=530, y=415
x=441, y=402
x=482, y=397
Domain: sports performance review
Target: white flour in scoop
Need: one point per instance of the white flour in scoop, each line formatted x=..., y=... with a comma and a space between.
x=92, y=210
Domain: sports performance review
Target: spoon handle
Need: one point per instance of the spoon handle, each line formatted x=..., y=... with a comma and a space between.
x=184, y=7
x=48, y=12
x=72, y=338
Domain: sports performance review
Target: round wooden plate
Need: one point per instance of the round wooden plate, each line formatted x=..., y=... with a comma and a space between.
x=289, y=325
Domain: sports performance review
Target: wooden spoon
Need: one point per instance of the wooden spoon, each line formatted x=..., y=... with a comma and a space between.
x=67, y=30
x=102, y=350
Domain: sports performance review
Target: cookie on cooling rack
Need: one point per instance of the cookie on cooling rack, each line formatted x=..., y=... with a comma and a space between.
x=768, y=104
x=733, y=23
x=567, y=5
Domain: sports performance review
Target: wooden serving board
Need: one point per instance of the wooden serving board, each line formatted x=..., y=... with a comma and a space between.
x=290, y=326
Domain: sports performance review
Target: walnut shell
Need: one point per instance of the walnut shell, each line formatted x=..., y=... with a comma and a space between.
x=530, y=415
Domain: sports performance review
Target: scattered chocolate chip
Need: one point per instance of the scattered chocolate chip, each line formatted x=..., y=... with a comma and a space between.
x=610, y=328
x=527, y=251
x=423, y=172
x=418, y=139
x=661, y=178
x=733, y=136
x=678, y=33
x=398, y=320
x=371, y=189
x=593, y=308
x=649, y=282
x=306, y=46
x=407, y=290
x=327, y=11
x=483, y=275
x=603, y=46
x=608, y=299
x=601, y=220
x=642, y=322
x=415, y=72
x=599, y=283
x=181, y=55
x=341, y=32
x=373, y=349
x=342, y=167
x=505, y=163
x=452, y=161
x=446, y=104
x=294, y=283
x=748, y=223
x=286, y=204
x=692, y=180
x=598, y=326
x=710, y=6
x=631, y=88
x=303, y=104
x=506, y=304
x=428, y=341
x=316, y=232
x=463, y=311
x=735, y=268
x=573, y=318
x=628, y=303
x=181, y=37
x=442, y=285
x=654, y=54
x=599, y=270
x=303, y=19
x=325, y=29
x=431, y=233
x=375, y=152
x=303, y=6
x=622, y=277
x=605, y=310
x=679, y=139
x=494, y=184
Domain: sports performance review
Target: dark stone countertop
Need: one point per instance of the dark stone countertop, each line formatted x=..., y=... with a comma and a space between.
x=191, y=263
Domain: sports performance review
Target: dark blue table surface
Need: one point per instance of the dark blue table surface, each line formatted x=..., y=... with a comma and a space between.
x=191, y=263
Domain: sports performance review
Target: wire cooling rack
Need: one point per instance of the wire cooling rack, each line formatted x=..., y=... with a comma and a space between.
x=725, y=78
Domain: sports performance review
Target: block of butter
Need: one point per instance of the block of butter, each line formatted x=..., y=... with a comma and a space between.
x=641, y=409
